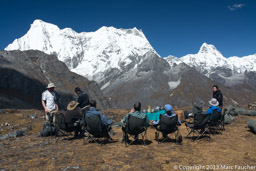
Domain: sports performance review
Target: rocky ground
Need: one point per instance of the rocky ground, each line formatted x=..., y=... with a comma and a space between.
x=235, y=147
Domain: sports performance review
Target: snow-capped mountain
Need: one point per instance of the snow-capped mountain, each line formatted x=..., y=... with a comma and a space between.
x=209, y=57
x=89, y=54
x=128, y=69
x=214, y=65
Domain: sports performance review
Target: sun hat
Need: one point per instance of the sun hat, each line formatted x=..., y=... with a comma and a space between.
x=72, y=105
x=51, y=85
x=214, y=102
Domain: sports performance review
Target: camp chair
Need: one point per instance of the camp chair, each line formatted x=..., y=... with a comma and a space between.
x=83, y=111
x=200, y=126
x=214, y=124
x=94, y=130
x=63, y=128
x=134, y=128
x=168, y=126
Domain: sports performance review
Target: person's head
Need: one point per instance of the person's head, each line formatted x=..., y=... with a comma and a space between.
x=51, y=87
x=215, y=88
x=77, y=90
x=93, y=103
x=137, y=106
x=168, y=109
x=214, y=102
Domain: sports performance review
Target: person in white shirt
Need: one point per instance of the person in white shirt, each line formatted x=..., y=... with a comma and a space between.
x=49, y=100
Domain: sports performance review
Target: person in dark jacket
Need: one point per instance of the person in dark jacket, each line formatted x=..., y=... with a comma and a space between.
x=106, y=124
x=73, y=112
x=83, y=98
x=217, y=95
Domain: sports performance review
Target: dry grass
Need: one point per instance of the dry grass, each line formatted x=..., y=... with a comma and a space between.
x=236, y=146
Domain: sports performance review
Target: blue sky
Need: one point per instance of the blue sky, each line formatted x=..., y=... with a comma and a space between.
x=173, y=27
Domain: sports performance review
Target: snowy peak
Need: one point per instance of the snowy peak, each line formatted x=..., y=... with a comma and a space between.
x=208, y=57
x=209, y=49
x=89, y=54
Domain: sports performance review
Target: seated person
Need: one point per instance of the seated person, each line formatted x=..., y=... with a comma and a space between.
x=73, y=111
x=136, y=112
x=214, y=106
x=106, y=124
x=169, y=113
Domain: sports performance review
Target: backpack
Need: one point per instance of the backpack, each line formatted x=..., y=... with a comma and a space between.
x=48, y=130
x=252, y=125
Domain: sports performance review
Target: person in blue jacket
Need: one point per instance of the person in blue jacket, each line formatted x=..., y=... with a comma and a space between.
x=106, y=124
x=214, y=106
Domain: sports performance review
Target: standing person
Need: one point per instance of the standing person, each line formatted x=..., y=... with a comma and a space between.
x=49, y=100
x=217, y=95
x=83, y=98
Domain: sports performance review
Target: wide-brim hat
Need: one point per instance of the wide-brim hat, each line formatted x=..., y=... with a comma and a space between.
x=51, y=85
x=214, y=102
x=72, y=105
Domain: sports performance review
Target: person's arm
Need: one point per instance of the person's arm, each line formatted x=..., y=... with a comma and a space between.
x=155, y=122
x=124, y=120
x=221, y=99
x=219, y=109
x=57, y=107
x=103, y=119
x=44, y=106
x=43, y=102
x=209, y=111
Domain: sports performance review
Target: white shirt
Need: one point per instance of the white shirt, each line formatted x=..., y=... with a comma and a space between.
x=50, y=98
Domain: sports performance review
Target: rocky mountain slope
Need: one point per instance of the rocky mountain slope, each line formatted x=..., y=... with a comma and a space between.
x=128, y=69
x=25, y=74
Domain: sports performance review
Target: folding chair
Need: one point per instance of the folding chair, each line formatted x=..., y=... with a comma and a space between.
x=94, y=130
x=167, y=126
x=214, y=124
x=135, y=127
x=63, y=128
x=200, y=126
